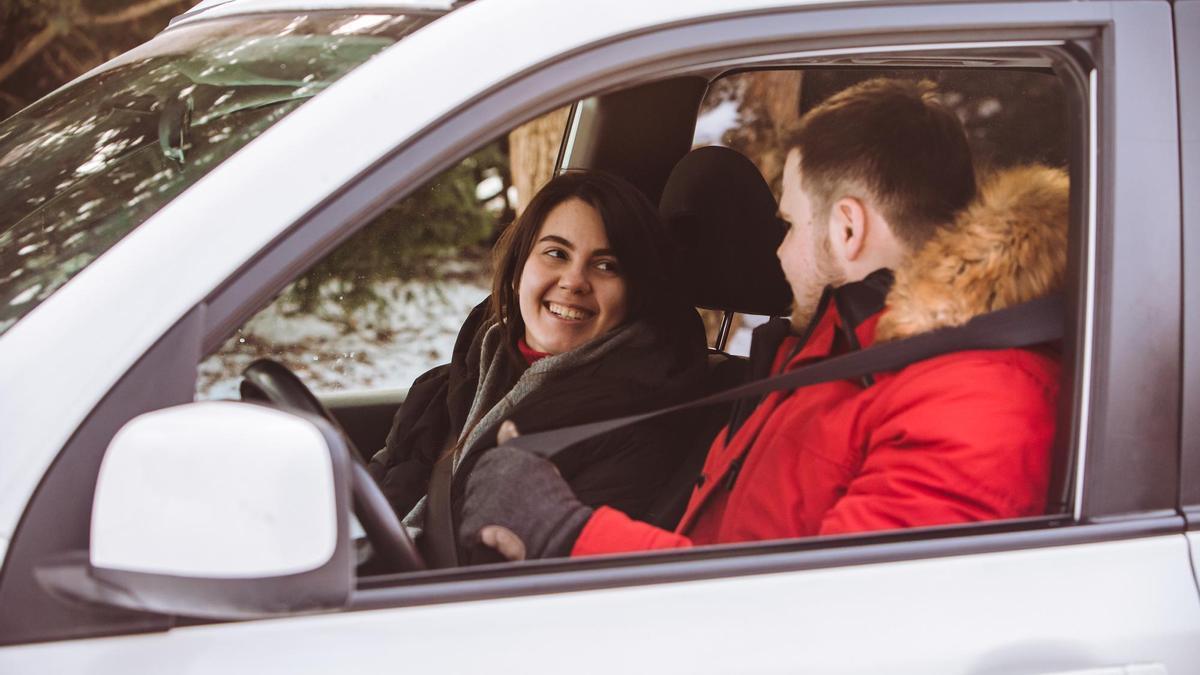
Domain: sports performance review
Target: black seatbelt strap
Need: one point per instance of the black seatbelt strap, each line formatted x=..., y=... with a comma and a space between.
x=438, y=543
x=1031, y=323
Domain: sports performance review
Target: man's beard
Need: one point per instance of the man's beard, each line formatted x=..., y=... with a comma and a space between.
x=826, y=273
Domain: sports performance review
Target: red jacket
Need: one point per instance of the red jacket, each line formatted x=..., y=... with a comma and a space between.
x=957, y=438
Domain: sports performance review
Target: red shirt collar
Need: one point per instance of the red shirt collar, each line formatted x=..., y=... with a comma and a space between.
x=531, y=356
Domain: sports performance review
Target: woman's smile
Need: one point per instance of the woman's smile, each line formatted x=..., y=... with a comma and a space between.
x=568, y=312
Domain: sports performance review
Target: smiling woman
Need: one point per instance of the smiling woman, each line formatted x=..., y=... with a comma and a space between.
x=583, y=324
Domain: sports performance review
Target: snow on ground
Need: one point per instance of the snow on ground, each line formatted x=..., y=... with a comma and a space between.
x=376, y=347
x=739, y=339
x=713, y=123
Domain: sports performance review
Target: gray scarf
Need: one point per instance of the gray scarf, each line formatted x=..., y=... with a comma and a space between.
x=492, y=404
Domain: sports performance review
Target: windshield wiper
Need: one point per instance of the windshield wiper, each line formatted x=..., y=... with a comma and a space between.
x=173, y=124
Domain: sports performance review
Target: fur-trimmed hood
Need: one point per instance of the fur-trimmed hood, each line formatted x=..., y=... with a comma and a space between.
x=1009, y=246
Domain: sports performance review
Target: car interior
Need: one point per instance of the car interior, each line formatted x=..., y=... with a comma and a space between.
x=719, y=197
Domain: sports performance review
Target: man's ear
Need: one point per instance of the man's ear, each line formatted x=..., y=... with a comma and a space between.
x=848, y=227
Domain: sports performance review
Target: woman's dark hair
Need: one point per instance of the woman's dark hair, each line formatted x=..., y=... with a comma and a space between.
x=644, y=249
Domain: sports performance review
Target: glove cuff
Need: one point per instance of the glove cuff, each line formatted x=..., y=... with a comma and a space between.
x=563, y=536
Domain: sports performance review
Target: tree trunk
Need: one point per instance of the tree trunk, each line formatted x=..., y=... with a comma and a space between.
x=532, y=151
x=774, y=98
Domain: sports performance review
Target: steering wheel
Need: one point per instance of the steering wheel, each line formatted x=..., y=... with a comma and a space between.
x=272, y=382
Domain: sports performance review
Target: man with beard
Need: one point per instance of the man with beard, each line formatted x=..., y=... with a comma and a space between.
x=888, y=238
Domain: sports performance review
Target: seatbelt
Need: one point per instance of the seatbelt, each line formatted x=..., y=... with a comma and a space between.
x=439, y=544
x=1030, y=323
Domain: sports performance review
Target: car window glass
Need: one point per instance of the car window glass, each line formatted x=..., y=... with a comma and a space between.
x=387, y=305
x=86, y=165
x=740, y=331
x=1010, y=116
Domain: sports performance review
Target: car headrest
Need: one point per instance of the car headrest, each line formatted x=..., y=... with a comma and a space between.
x=724, y=217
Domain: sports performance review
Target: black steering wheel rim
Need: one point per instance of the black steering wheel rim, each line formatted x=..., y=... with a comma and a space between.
x=272, y=382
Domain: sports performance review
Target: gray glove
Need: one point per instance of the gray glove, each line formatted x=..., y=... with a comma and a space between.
x=525, y=493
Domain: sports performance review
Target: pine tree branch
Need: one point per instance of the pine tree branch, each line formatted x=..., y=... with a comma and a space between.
x=30, y=48
x=130, y=13
x=57, y=26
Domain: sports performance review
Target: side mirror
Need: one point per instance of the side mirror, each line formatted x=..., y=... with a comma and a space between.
x=218, y=509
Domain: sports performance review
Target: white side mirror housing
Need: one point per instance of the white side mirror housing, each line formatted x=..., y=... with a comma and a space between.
x=218, y=490
x=221, y=509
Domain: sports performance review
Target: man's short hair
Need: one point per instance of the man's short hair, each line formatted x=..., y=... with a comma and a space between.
x=895, y=141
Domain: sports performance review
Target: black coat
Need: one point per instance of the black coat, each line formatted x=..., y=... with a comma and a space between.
x=623, y=469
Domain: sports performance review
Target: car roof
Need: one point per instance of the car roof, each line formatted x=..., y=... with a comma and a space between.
x=210, y=9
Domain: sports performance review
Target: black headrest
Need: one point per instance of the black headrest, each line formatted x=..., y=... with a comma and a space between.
x=721, y=210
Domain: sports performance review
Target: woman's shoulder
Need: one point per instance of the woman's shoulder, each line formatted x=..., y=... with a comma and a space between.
x=472, y=328
x=624, y=382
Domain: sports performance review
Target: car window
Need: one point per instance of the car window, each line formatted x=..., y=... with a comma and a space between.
x=387, y=304
x=86, y=165
x=1010, y=116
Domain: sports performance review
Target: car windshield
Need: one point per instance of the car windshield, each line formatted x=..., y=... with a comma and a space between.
x=84, y=166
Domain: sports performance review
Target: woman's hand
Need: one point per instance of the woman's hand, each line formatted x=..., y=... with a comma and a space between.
x=504, y=541
x=497, y=537
x=518, y=505
x=508, y=431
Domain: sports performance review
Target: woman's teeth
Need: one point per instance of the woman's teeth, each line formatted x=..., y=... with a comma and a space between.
x=570, y=313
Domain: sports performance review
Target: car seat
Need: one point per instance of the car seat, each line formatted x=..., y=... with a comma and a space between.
x=725, y=220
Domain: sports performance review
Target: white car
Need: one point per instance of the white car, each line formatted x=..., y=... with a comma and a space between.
x=152, y=207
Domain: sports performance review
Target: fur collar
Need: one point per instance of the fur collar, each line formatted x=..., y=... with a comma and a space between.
x=1009, y=246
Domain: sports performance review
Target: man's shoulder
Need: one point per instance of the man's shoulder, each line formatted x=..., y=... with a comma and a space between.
x=1002, y=369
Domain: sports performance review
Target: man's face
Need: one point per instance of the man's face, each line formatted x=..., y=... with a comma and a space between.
x=805, y=254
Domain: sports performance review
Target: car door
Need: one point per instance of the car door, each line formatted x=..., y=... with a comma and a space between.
x=1105, y=587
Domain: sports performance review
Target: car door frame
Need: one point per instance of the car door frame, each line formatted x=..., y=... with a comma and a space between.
x=1187, y=44
x=1113, y=439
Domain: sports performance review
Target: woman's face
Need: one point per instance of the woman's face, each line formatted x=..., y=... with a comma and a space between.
x=571, y=287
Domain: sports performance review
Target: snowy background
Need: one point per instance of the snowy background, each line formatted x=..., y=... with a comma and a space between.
x=382, y=346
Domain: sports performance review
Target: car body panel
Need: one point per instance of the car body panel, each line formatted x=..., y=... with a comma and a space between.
x=1136, y=216
x=1049, y=608
x=928, y=616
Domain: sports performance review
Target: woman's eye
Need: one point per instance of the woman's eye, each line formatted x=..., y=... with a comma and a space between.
x=608, y=266
x=557, y=253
